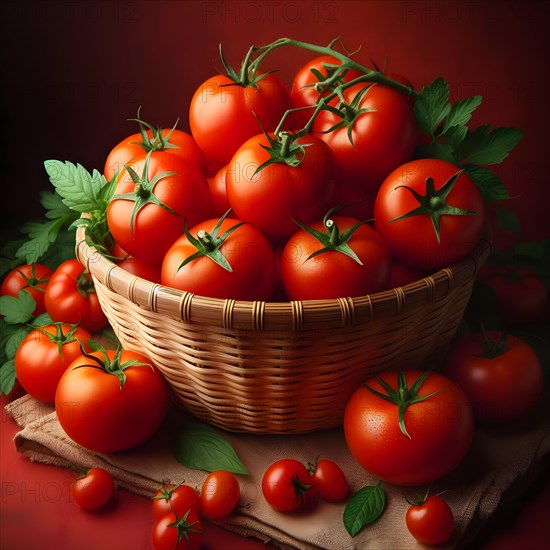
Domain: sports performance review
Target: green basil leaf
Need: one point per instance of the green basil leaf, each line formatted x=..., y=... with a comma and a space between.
x=79, y=189
x=7, y=377
x=201, y=447
x=489, y=184
x=494, y=145
x=364, y=507
x=461, y=112
x=432, y=106
x=17, y=310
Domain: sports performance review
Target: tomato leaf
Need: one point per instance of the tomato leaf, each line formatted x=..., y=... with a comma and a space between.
x=488, y=183
x=7, y=377
x=201, y=447
x=432, y=106
x=17, y=310
x=364, y=507
x=80, y=190
x=487, y=146
x=461, y=112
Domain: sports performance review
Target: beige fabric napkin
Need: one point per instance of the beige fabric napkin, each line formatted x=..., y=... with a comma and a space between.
x=499, y=462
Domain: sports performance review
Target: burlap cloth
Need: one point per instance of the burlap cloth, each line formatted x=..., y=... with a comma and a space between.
x=500, y=462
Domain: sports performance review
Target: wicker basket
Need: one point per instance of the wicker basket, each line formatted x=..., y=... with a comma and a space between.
x=280, y=367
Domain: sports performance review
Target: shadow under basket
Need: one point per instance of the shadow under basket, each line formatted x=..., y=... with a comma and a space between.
x=280, y=367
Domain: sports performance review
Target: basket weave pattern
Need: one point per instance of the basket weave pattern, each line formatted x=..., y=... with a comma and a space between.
x=280, y=367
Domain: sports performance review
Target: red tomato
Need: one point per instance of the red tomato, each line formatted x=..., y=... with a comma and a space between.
x=333, y=273
x=501, y=375
x=219, y=192
x=521, y=296
x=150, y=272
x=382, y=137
x=303, y=92
x=71, y=298
x=136, y=217
x=178, y=143
x=443, y=188
x=172, y=532
x=279, y=193
x=45, y=354
x=111, y=401
x=286, y=485
x=439, y=428
x=329, y=481
x=93, y=489
x=223, y=114
x=220, y=494
x=178, y=499
x=402, y=275
x=247, y=252
x=33, y=278
x=430, y=521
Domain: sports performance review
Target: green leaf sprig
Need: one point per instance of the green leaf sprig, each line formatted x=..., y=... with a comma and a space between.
x=201, y=447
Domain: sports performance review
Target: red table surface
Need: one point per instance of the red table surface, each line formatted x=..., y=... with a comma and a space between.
x=37, y=511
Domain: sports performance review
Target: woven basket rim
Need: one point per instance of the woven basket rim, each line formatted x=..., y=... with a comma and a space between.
x=284, y=316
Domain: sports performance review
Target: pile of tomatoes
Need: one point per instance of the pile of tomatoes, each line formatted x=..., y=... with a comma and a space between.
x=270, y=197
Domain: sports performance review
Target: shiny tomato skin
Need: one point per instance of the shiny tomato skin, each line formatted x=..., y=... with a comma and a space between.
x=217, y=184
x=220, y=494
x=502, y=388
x=304, y=94
x=431, y=522
x=16, y=280
x=441, y=430
x=223, y=115
x=333, y=274
x=71, y=298
x=178, y=499
x=98, y=414
x=329, y=481
x=279, y=193
x=413, y=240
x=40, y=364
x=247, y=251
x=286, y=485
x=150, y=272
x=383, y=138
x=94, y=489
x=165, y=533
x=130, y=148
x=155, y=228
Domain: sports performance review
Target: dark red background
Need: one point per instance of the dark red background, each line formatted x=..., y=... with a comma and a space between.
x=74, y=71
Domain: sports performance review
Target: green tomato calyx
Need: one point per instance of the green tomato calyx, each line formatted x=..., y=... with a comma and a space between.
x=209, y=244
x=403, y=396
x=433, y=203
x=59, y=338
x=492, y=346
x=184, y=527
x=333, y=239
x=155, y=142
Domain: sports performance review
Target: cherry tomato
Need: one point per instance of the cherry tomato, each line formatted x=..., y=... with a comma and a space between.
x=430, y=521
x=173, y=141
x=178, y=499
x=219, y=191
x=303, y=92
x=220, y=494
x=33, y=278
x=329, y=481
x=333, y=273
x=45, y=354
x=173, y=532
x=93, y=489
x=286, y=485
x=71, y=297
x=383, y=135
x=147, y=216
x=280, y=193
x=110, y=401
x=249, y=271
x=223, y=114
x=423, y=443
x=501, y=375
x=430, y=214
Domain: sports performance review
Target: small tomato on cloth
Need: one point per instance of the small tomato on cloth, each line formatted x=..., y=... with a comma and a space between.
x=409, y=428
